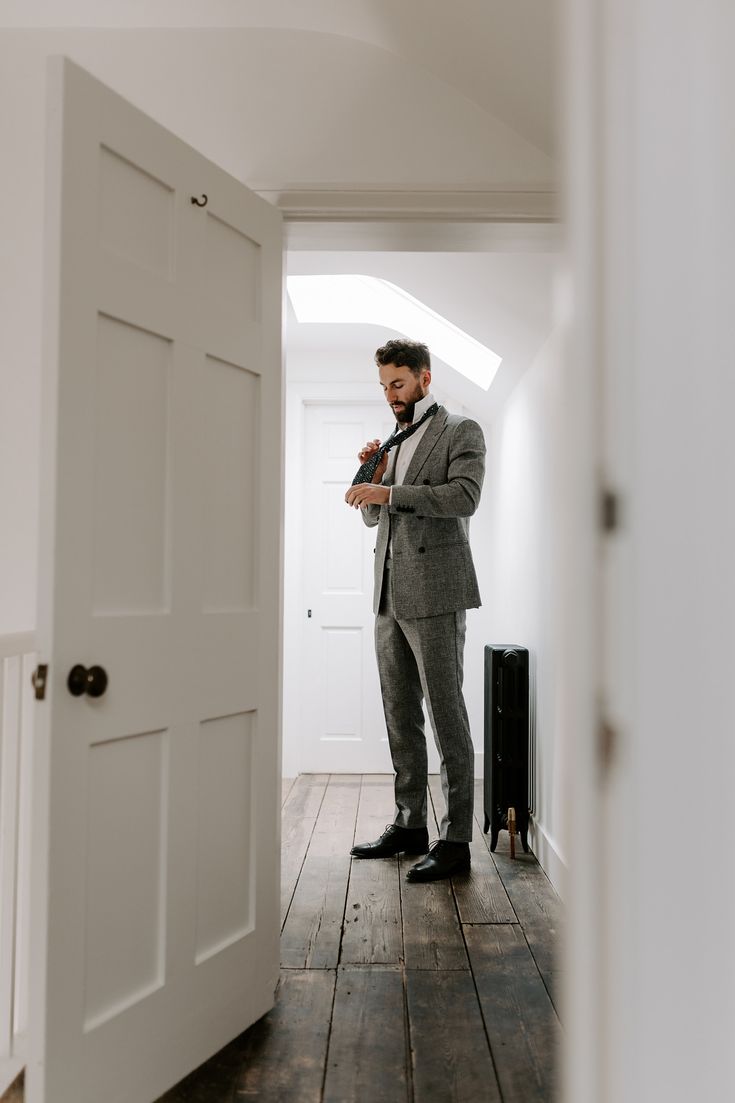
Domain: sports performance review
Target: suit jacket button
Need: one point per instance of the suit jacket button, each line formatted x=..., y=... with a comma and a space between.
x=422, y=550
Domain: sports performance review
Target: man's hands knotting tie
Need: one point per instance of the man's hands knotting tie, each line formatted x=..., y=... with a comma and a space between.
x=365, y=494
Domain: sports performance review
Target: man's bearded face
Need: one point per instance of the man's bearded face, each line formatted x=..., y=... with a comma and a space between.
x=403, y=390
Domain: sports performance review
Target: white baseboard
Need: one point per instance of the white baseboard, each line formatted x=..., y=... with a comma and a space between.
x=548, y=857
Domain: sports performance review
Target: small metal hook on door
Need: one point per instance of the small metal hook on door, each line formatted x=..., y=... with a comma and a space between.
x=199, y=202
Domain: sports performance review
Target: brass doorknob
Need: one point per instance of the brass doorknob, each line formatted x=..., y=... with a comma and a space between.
x=92, y=681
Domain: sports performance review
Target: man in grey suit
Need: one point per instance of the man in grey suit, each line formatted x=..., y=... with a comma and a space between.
x=421, y=495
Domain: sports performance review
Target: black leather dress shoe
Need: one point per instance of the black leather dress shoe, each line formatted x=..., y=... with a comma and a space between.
x=443, y=860
x=394, y=840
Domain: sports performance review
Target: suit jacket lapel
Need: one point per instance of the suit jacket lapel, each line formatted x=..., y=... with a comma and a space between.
x=434, y=430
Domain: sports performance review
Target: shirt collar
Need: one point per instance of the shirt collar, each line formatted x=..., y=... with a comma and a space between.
x=421, y=407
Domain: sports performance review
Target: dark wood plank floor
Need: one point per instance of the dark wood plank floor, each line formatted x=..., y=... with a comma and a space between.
x=393, y=992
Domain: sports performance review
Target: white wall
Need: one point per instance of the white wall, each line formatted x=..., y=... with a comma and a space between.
x=21, y=233
x=516, y=542
x=650, y=1000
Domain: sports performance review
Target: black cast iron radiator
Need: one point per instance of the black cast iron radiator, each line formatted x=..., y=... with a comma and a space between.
x=506, y=742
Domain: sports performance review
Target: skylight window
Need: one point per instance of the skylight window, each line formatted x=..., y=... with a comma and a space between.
x=372, y=301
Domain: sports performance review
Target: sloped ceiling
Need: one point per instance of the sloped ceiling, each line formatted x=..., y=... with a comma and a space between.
x=497, y=54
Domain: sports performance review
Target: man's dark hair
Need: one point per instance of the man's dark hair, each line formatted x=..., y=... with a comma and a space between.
x=404, y=354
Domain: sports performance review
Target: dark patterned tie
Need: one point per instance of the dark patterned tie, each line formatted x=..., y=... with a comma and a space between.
x=366, y=472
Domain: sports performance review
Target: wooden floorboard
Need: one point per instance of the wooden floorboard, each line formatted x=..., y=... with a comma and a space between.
x=537, y=906
x=299, y=816
x=368, y=1050
x=392, y=991
x=284, y=1054
x=313, y=930
x=372, y=925
x=534, y=900
x=521, y=1024
x=450, y=1054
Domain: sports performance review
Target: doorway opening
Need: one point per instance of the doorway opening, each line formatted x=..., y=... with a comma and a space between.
x=497, y=282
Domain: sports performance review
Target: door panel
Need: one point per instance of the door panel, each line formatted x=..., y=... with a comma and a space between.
x=157, y=830
x=230, y=432
x=225, y=858
x=131, y=502
x=126, y=845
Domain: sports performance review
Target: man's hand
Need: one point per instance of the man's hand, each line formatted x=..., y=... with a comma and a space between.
x=369, y=450
x=365, y=494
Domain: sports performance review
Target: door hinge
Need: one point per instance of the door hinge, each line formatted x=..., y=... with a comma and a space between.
x=609, y=510
x=38, y=681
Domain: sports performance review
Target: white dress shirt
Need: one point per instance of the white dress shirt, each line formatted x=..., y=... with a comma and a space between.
x=400, y=458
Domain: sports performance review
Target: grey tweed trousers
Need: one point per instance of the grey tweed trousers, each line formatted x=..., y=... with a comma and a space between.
x=423, y=658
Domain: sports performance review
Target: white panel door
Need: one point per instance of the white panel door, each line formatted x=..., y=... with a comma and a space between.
x=156, y=847
x=343, y=725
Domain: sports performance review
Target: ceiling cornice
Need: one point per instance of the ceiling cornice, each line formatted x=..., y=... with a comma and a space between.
x=325, y=203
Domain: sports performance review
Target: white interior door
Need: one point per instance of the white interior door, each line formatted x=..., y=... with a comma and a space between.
x=343, y=725
x=156, y=845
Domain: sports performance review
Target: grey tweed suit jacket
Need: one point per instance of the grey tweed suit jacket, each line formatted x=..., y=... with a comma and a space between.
x=428, y=521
